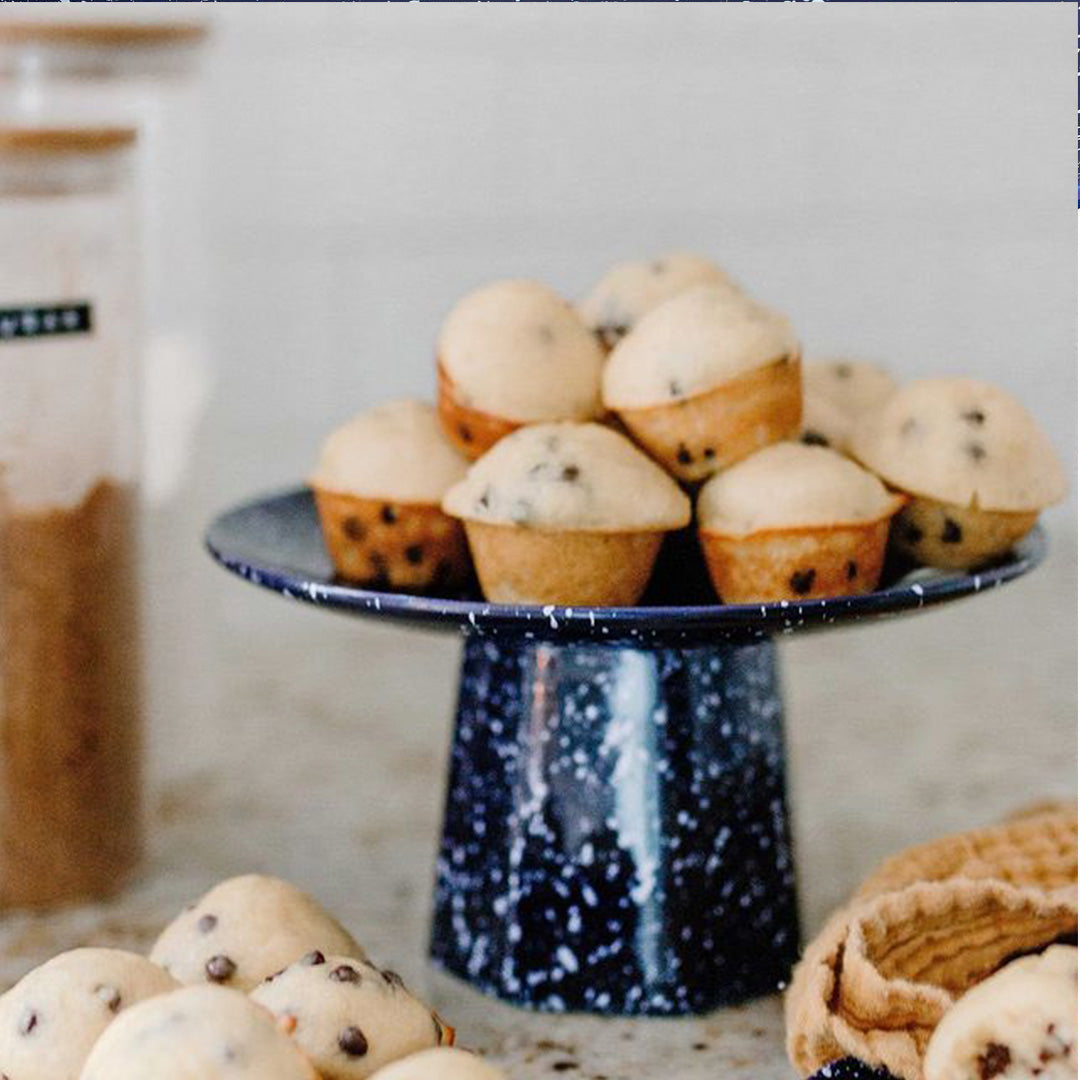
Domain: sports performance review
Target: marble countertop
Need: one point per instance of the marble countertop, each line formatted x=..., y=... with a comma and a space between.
x=294, y=742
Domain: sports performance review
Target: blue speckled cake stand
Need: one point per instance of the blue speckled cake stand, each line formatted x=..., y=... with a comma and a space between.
x=616, y=832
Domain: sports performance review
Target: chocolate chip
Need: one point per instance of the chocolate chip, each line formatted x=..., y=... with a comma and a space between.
x=464, y=433
x=699, y=1046
x=610, y=333
x=570, y=473
x=802, y=581
x=389, y=514
x=28, y=1022
x=351, y=1040
x=912, y=533
x=564, y=1066
x=220, y=968
x=951, y=533
x=392, y=978
x=842, y=371
x=994, y=1060
x=354, y=528
x=206, y=923
x=485, y=498
x=974, y=416
x=343, y=973
x=814, y=438
x=110, y=997
x=313, y=958
x=675, y=388
x=683, y=455
x=414, y=553
x=709, y=452
x=975, y=451
x=852, y=569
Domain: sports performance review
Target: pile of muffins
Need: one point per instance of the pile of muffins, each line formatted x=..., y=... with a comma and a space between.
x=255, y=980
x=669, y=399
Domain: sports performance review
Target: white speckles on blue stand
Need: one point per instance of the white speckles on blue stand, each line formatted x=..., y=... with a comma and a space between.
x=616, y=837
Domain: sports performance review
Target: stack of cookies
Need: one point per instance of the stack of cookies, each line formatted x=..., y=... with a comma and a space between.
x=253, y=981
x=569, y=440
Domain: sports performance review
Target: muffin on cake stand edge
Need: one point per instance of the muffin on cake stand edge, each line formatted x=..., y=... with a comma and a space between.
x=615, y=837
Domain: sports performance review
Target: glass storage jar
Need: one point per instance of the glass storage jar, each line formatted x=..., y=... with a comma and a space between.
x=70, y=694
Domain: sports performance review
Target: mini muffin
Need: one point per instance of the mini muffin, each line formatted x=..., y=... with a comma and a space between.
x=246, y=928
x=51, y=1018
x=378, y=486
x=196, y=1033
x=794, y=522
x=349, y=1017
x=705, y=379
x=513, y=353
x=835, y=394
x=566, y=514
x=977, y=466
x=446, y=1063
x=633, y=288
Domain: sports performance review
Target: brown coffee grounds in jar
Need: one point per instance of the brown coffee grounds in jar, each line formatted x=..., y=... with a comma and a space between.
x=70, y=705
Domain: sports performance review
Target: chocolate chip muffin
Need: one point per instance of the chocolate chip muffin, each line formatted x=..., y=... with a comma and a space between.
x=245, y=929
x=448, y=1063
x=633, y=288
x=976, y=465
x=349, y=1017
x=835, y=394
x=208, y=1032
x=52, y=1016
x=568, y=514
x=705, y=379
x=378, y=486
x=794, y=522
x=513, y=353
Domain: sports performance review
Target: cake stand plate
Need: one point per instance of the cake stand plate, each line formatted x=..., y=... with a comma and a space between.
x=615, y=838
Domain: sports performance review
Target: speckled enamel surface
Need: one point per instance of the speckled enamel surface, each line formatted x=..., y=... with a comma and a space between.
x=275, y=542
x=615, y=837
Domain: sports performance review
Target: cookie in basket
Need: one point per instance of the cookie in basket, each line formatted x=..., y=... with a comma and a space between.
x=568, y=514
x=208, y=1032
x=794, y=522
x=705, y=379
x=976, y=465
x=378, y=485
x=50, y=1019
x=631, y=289
x=835, y=394
x=245, y=929
x=512, y=353
x=1020, y=1022
x=349, y=1017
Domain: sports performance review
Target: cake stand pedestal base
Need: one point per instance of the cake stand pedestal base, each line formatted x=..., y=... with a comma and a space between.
x=616, y=834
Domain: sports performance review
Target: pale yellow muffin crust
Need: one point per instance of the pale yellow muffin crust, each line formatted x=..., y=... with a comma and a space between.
x=517, y=350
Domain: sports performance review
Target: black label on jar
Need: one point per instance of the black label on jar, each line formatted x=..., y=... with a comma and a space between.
x=44, y=320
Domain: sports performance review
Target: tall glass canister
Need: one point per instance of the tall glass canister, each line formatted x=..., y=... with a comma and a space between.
x=70, y=694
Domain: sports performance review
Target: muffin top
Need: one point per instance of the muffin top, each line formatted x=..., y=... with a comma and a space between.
x=963, y=442
x=567, y=477
x=790, y=486
x=630, y=289
x=835, y=393
x=853, y=386
x=517, y=350
x=395, y=451
x=693, y=343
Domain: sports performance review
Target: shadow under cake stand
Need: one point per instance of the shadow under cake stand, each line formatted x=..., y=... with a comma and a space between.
x=615, y=837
